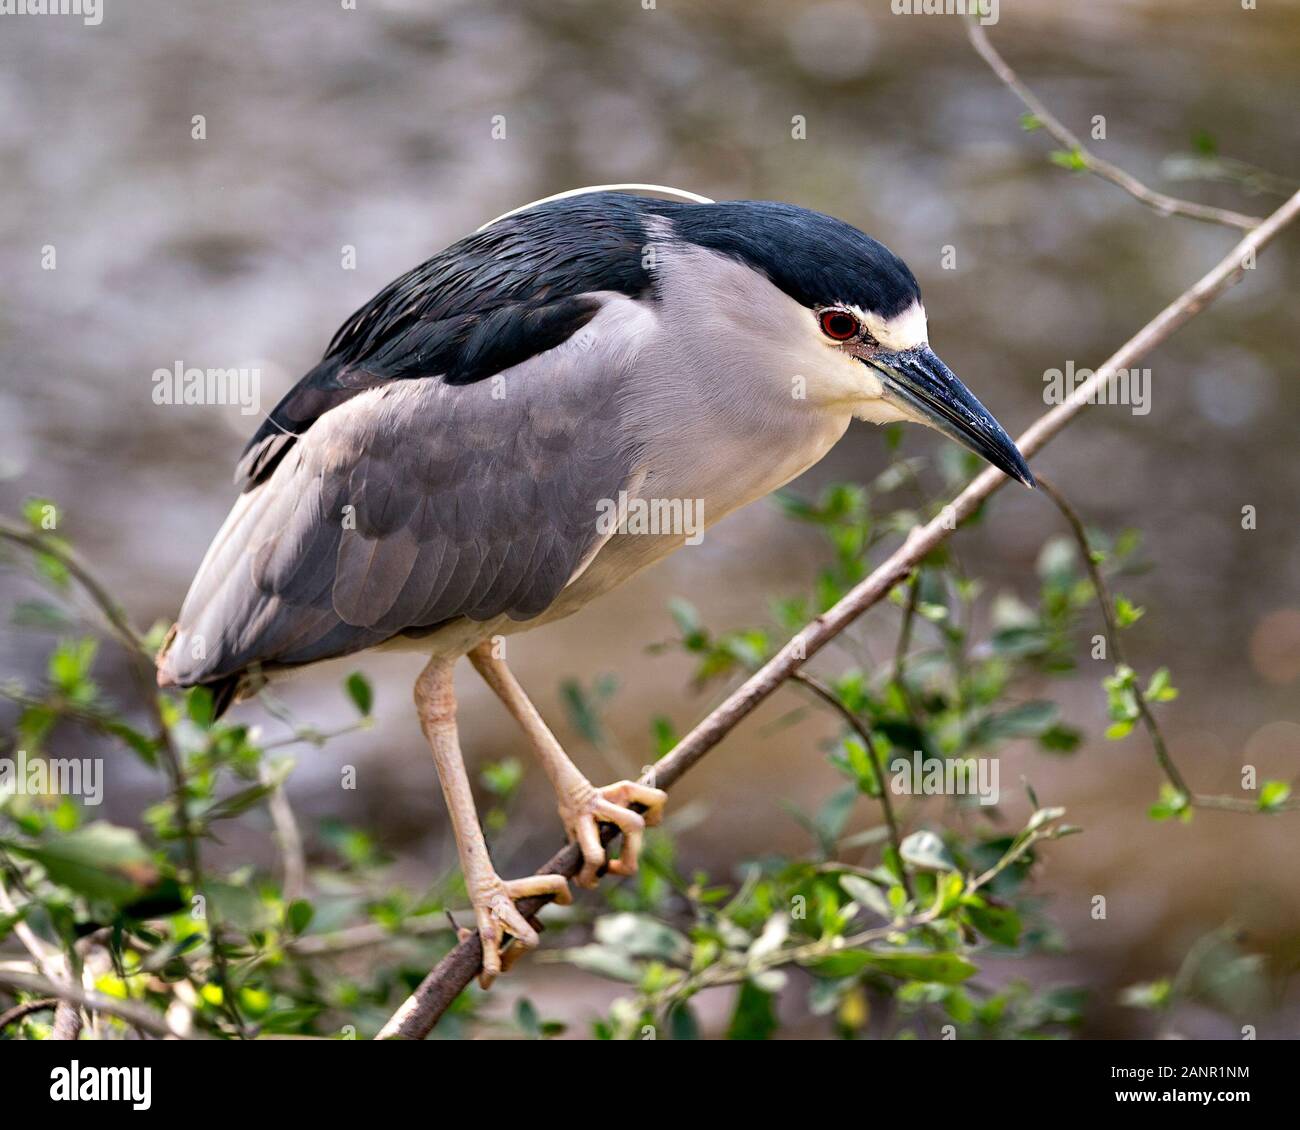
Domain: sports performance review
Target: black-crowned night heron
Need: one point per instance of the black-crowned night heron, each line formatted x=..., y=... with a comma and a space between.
x=444, y=477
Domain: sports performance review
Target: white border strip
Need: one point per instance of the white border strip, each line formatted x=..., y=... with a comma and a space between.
x=679, y=193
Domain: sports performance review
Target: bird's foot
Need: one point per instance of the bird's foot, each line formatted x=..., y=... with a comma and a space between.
x=584, y=808
x=493, y=899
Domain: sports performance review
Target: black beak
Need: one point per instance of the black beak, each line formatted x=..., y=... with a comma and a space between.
x=917, y=380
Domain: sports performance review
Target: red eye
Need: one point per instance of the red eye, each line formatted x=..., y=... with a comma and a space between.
x=839, y=325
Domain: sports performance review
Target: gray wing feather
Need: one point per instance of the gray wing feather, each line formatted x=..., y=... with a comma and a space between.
x=416, y=504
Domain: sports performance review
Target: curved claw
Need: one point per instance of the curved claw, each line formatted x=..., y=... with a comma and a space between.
x=497, y=916
x=611, y=805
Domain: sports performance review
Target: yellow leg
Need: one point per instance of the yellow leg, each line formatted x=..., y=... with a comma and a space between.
x=582, y=806
x=491, y=896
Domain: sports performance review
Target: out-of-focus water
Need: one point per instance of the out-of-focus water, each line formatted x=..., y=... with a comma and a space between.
x=372, y=130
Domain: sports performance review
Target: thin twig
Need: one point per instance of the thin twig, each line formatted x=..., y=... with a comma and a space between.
x=905, y=628
x=289, y=838
x=904, y=645
x=822, y=691
x=369, y=934
x=48, y=959
x=1145, y=713
x=137, y=1016
x=415, y=1019
x=37, y=1004
x=1164, y=204
x=58, y=967
x=103, y=600
x=1112, y=633
x=809, y=952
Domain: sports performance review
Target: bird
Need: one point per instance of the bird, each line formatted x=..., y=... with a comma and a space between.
x=459, y=466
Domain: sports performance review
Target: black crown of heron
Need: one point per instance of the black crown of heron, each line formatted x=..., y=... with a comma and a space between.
x=437, y=481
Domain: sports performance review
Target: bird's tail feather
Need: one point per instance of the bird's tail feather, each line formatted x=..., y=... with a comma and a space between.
x=224, y=690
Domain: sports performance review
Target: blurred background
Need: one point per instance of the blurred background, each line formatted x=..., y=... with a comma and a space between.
x=329, y=128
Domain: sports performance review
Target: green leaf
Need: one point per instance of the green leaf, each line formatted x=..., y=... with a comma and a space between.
x=1020, y=641
x=52, y=569
x=237, y=803
x=694, y=636
x=171, y=951
x=845, y=963
x=1273, y=794
x=502, y=778
x=793, y=506
x=833, y=815
x=583, y=708
x=100, y=861
x=1028, y=720
x=754, y=1017
x=69, y=667
x=1148, y=994
x=241, y=906
x=999, y=924
x=289, y=1019
x=935, y=613
x=1056, y=560
x=41, y=615
x=1044, y=816
x=948, y=890
x=959, y=1006
x=1060, y=739
x=9, y=921
x=945, y=968
x=1160, y=689
x=1072, y=159
x=1172, y=804
x=145, y=747
x=665, y=736
x=359, y=691
x=527, y=1019
x=857, y=761
x=1121, y=700
x=865, y=893
x=200, y=708
x=926, y=851
x=1126, y=612
x=162, y=900
x=639, y=935
x=604, y=961
x=775, y=931
x=1030, y=122
x=682, y=1024
x=298, y=915
x=41, y=514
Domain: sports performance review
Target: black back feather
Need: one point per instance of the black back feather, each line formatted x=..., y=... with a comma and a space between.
x=503, y=295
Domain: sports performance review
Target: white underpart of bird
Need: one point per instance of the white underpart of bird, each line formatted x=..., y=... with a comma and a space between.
x=730, y=367
x=443, y=478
